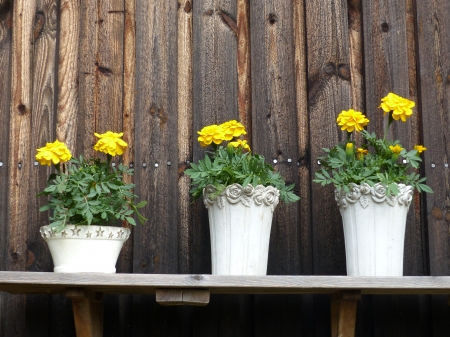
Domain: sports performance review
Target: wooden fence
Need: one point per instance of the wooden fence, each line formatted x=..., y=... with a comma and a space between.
x=159, y=70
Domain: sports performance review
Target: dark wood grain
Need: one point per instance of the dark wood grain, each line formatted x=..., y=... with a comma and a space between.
x=185, y=135
x=329, y=93
x=434, y=68
x=19, y=156
x=155, y=245
x=42, y=131
x=389, y=67
x=88, y=46
x=275, y=136
x=215, y=100
x=67, y=109
x=5, y=94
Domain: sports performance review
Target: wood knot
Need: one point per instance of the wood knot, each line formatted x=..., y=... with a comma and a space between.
x=384, y=27
x=197, y=277
x=329, y=68
x=103, y=70
x=272, y=18
x=344, y=72
x=39, y=23
x=188, y=7
x=156, y=259
x=22, y=109
x=437, y=213
x=209, y=12
x=143, y=264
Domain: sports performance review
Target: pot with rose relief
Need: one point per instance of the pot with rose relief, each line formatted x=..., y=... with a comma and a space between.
x=240, y=220
x=374, y=228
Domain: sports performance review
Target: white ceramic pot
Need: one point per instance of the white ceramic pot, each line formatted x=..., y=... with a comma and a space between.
x=79, y=249
x=240, y=220
x=374, y=229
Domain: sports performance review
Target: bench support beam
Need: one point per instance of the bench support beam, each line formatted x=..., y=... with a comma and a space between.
x=195, y=297
x=87, y=312
x=343, y=313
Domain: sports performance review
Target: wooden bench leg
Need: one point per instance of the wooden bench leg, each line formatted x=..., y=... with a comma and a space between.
x=343, y=313
x=87, y=312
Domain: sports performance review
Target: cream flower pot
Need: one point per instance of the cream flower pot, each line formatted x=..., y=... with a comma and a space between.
x=240, y=220
x=79, y=249
x=374, y=229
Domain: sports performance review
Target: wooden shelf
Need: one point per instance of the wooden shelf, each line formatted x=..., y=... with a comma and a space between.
x=53, y=283
x=86, y=291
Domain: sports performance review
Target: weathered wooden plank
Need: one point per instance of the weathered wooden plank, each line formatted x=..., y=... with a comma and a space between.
x=66, y=127
x=42, y=131
x=155, y=246
x=329, y=92
x=5, y=93
x=40, y=282
x=433, y=36
x=275, y=135
x=195, y=297
x=19, y=156
x=303, y=161
x=88, y=74
x=214, y=96
x=122, y=310
x=389, y=67
x=244, y=66
x=185, y=134
x=215, y=100
x=109, y=66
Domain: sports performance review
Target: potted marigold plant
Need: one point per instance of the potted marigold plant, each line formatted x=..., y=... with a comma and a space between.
x=240, y=191
x=374, y=184
x=86, y=197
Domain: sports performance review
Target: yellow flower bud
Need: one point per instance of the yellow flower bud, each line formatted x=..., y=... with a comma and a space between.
x=396, y=149
x=420, y=148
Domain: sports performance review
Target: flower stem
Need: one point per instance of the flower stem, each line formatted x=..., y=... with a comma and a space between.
x=390, y=120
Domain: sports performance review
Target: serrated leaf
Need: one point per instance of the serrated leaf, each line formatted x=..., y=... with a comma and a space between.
x=364, y=201
x=247, y=201
x=220, y=202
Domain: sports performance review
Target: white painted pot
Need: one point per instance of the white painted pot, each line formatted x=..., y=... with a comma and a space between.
x=79, y=249
x=374, y=229
x=240, y=220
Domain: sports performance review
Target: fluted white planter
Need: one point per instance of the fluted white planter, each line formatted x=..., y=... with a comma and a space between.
x=374, y=229
x=240, y=220
x=80, y=249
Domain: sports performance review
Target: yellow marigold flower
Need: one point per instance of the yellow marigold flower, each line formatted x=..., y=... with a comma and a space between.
x=232, y=129
x=53, y=153
x=211, y=134
x=110, y=143
x=420, y=148
x=401, y=107
x=350, y=120
x=240, y=143
x=396, y=149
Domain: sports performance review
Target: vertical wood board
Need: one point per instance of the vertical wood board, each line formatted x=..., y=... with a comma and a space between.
x=155, y=244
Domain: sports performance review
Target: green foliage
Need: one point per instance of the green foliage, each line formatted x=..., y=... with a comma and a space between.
x=229, y=165
x=341, y=168
x=91, y=192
